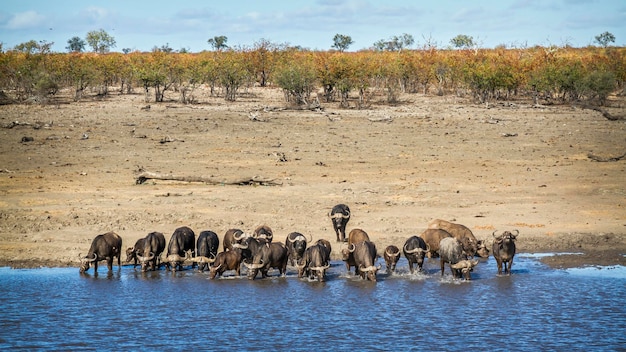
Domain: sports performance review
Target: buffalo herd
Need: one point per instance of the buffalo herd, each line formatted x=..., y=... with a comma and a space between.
x=452, y=243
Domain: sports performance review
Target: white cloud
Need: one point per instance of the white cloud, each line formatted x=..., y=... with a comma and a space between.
x=28, y=19
x=95, y=13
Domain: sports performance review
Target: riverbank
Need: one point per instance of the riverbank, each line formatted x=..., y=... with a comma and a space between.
x=68, y=171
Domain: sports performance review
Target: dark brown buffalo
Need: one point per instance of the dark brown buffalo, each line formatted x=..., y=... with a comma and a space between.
x=415, y=250
x=503, y=250
x=326, y=246
x=154, y=245
x=460, y=232
x=131, y=252
x=228, y=260
x=357, y=235
x=263, y=232
x=314, y=263
x=340, y=215
x=103, y=247
x=391, y=255
x=270, y=255
x=432, y=237
x=182, y=242
x=250, y=247
x=207, y=246
x=231, y=237
x=364, y=253
x=296, y=245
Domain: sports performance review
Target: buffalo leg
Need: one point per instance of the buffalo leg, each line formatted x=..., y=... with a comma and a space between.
x=499, y=261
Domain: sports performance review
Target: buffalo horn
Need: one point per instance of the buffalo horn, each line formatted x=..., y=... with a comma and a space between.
x=319, y=268
x=369, y=268
x=414, y=250
x=392, y=254
x=240, y=237
x=254, y=266
x=144, y=259
x=85, y=259
x=240, y=246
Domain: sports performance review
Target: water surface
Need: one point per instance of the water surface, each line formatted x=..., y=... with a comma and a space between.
x=536, y=308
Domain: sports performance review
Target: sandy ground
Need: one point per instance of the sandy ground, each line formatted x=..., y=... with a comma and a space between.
x=500, y=167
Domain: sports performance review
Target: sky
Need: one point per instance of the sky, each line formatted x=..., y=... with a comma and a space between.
x=142, y=25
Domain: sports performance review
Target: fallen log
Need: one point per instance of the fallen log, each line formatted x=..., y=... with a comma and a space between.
x=604, y=113
x=606, y=159
x=212, y=180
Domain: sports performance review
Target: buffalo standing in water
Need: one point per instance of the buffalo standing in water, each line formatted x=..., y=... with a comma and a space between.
x=103, y=247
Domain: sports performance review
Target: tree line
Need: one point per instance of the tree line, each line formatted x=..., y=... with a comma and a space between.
x=354, y=79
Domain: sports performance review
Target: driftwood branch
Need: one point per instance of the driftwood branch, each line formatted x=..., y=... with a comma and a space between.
x=606, y=159
x=604, y=113
x=212, y=180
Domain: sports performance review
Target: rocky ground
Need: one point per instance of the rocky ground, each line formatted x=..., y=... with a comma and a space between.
x=68, y=172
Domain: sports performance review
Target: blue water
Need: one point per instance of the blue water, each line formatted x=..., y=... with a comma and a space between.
x=536, y=308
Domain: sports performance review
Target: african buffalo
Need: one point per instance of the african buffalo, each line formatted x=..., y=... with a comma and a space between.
x=482, y=250
x=231, y=237
x=182, y=242
x=340, y=215
x=206, y=249
x=314, y=263
x=263, y=232
x=154, y=244
x=326, y=246
x=357, y=235
x=503, y=249
x=460, y=232
x=131, y=252
x=415, y=250
x=270, y=255
x=250, y=247
x=296, y=245
x=432, y=237
x=451, y=251
x=228, y=260
x=364, y=253
x=348, y=257
x=103, y=247
x=391, y=255
x=466, y=266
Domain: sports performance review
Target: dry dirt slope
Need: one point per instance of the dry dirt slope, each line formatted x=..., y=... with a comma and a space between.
x=503, y=167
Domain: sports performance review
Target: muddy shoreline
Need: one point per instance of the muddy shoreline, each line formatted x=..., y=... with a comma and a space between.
x=506, y=166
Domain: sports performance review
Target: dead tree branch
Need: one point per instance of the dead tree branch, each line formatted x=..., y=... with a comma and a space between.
x=212, y=180
x=606, y=159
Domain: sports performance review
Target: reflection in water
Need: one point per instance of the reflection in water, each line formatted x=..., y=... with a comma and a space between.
x=535, y=308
